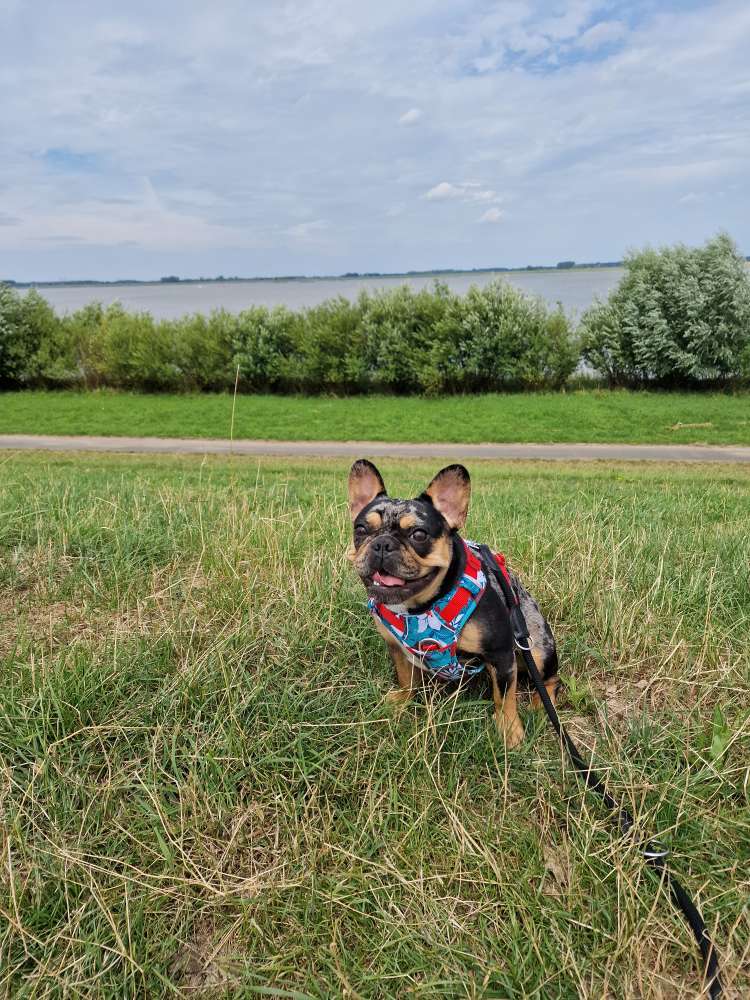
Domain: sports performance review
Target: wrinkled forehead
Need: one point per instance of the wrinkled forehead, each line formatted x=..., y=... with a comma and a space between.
x=389, y=514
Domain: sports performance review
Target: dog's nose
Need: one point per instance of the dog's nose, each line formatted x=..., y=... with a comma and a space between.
x=384, y=545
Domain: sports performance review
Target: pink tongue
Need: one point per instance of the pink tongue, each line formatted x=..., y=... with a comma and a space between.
x=387, y=581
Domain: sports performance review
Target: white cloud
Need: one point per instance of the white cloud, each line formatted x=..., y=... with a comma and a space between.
x=600, y=34
x=267, y=133
x=466, y=191
x=444, y=190
x=492, y=215
x=410, y=117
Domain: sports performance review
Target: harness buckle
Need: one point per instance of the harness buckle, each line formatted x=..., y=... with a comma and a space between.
x=524, y=649
x=430, y=645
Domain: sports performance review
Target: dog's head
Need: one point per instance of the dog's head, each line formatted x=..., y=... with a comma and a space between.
x=402, y=548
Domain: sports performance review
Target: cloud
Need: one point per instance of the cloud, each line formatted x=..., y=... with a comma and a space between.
x=444, y=191
x=260, y=139
x=601, y=34
x=466, y=191
x=492, y=215
x=410, y=117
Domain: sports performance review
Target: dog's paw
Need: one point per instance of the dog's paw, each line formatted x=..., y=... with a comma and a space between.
x=511, y=730
x=398, y=697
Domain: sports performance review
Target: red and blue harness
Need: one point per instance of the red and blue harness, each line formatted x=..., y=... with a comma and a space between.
x=431, y=638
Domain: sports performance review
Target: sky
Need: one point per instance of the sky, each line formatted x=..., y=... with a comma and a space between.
x=325, y=136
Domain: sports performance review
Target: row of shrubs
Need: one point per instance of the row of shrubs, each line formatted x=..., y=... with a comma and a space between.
x=679, y=317
x=398, y=341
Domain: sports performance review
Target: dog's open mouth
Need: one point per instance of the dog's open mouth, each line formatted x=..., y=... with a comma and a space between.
x=383, y=580
x=385, y=587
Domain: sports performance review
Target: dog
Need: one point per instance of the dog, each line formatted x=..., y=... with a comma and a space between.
x=435, y=602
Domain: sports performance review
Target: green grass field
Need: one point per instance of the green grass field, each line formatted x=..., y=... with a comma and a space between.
x=582, y=416
x=204, y=794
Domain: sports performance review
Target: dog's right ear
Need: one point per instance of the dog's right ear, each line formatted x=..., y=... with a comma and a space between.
x=449, y=492
x=365, y=483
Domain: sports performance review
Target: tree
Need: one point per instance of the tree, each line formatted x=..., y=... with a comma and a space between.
x=680, y=316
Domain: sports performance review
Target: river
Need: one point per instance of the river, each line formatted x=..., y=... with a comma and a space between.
x=575, y=289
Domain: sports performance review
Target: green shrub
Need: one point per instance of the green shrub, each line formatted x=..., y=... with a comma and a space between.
x=109, y=347
x=83, y=336
x=679, y=316
x=513, y=341
x=28, y=333
x=328, y=353
x=137, y=352
x=399, y=327
x=399, y=340
x=263, y=342
x=497, y=338
x=203, y=350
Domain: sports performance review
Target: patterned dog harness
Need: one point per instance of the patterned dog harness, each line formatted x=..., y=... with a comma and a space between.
x=431, y=638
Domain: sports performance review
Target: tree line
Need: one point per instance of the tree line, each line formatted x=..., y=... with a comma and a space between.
x=679, y=317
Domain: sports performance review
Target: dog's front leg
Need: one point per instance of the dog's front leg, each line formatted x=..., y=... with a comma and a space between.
x=503, y=677
x=406, y=677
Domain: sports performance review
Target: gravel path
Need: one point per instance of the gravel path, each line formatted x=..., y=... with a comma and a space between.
x=354, y=449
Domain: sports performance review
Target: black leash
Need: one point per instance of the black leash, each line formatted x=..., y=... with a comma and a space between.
x=653, y=852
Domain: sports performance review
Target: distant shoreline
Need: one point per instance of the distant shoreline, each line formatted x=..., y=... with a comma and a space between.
x=350, y=275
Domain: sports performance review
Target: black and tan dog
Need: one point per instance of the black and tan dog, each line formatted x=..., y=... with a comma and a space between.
x=409, y=555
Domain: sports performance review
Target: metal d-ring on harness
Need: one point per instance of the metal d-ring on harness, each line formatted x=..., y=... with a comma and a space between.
x=652, y=852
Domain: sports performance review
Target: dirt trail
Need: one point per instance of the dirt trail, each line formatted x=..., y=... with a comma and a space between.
x=353, y=449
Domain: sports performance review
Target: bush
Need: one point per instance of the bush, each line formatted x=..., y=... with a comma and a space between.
x=497, y=338
x=28, y=334
x=400, y=340
x=263, y=342
x=679, y=317
x=328, y=354
x=203, y=350
x=110, y=347
x=400, y=328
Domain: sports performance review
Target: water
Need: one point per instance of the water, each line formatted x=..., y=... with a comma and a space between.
x=575, y=289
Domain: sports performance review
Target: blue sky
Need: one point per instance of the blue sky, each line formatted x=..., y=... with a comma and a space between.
x=325, y=136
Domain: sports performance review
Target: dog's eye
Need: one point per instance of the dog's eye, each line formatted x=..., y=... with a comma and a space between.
x=419, y=535
x=360, y=531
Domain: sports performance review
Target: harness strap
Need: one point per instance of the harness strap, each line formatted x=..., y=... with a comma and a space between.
x=653, y=852
x=432, y=636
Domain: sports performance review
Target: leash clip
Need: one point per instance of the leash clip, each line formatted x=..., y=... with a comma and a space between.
x=655, y=850
x=520, y=630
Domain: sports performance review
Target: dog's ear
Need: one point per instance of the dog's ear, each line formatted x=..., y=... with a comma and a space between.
x=365, y=483
x=449, y=492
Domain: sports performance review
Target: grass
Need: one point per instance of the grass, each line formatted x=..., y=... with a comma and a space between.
x=204, y=794
x=580, y=416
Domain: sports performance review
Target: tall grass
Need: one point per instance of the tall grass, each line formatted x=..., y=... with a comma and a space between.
x=204, y=793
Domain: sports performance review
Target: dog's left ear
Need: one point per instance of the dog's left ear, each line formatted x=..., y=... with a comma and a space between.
x=450, y=491
x=365, y=483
